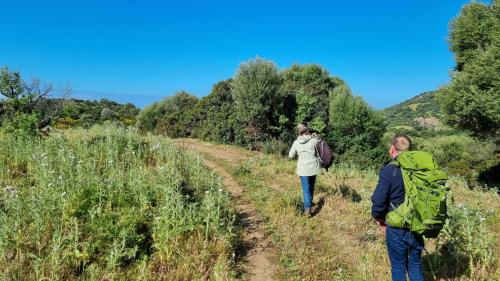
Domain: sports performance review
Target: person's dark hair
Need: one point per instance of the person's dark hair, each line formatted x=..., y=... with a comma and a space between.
x=302, y=129
x=401, y=142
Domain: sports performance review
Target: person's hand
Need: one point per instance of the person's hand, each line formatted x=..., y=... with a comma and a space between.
x=381, y=224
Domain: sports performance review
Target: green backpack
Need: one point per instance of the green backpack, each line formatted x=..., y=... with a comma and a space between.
x=424, y=208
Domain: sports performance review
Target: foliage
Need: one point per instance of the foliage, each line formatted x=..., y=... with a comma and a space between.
x=255, y=90
x=346, y=243
x=86, y=113
x=466, y=243
x=213, y=117
x=18, y=111
x=310, y=84
x=355, y=127
x=462, y=155
x=424, y=105
x=169, y=117
x=21, y=125
x=471, y=100
x=107, y=203
x=260, y=107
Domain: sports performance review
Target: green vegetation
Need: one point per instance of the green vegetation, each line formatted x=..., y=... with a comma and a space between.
x=459, y=153
x=260, y=107
x=355, y=128
x=420, y=112
x=110, y=204
x=26, y=107
x=168, y=117
x=341, y=242
x=471, y=101
x=86, y=113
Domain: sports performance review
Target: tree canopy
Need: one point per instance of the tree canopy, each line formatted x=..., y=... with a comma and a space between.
x=471, y=101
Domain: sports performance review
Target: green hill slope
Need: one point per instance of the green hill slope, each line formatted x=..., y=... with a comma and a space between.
x=420, y=111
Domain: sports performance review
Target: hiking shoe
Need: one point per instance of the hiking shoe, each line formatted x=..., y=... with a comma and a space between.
x=307, y=212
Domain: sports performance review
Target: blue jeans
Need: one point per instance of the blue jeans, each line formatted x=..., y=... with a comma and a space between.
x=405, y=254
x=308, y=190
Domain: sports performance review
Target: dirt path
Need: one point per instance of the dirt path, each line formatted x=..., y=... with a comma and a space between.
x=256, y=248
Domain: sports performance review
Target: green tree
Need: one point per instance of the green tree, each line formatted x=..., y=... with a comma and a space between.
x=471, y=101
x=473, y=31
x=256, y=95
x=170, y=116
x=213, y=115
x=310, y=85
x=18, y=110
x=356, y=129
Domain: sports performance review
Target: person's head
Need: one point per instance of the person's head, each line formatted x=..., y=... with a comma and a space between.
x=302, y=129
x=399, y=143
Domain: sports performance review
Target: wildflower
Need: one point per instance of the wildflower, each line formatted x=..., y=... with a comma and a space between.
x=481, y=219
x=10, y=189
x=220, y=189
x=207, y=192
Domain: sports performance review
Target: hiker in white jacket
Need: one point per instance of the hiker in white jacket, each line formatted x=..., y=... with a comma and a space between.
x=308, y=164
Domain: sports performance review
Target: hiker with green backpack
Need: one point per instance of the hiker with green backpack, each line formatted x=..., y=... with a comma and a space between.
x=409, y=203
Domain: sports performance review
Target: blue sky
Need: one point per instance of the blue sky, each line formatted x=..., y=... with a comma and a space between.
x=142, y=51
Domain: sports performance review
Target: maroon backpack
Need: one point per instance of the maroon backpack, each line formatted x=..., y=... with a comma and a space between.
x=325, y=154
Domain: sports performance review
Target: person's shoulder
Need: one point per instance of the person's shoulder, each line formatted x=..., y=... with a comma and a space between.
x=389, y=168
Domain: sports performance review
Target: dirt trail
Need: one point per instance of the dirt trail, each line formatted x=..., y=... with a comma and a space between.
x=256, y=245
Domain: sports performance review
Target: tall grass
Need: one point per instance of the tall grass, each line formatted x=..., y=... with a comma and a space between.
x=109, y=204
x=342, y=242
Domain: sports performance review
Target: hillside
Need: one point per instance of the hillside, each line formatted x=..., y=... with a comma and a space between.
x=420, y=111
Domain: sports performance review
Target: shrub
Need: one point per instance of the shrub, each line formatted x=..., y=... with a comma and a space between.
x=465, y=246
x=22, y=125
x=107, y=203
x=461, y=154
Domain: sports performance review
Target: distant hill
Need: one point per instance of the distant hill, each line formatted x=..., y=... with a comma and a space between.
x=420, y=111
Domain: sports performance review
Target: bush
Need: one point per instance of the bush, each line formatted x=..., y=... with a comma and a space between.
x=22, y=125
x=461, y=154
x=275, y=146
x=107, y=203
x=465, y=246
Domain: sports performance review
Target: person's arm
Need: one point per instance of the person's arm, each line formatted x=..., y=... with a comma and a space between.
x=293, y=151
x=381, y=197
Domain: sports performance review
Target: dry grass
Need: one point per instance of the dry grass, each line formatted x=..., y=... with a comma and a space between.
x=341, y=242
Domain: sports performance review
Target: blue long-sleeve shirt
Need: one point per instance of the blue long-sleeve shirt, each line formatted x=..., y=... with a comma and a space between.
x=390, y=188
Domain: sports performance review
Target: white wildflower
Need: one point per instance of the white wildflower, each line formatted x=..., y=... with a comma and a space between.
x=220, y=189
x=207, y=192
x=10, y=189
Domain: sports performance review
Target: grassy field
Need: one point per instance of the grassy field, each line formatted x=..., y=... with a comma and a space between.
x=110, y=204
x=341, y=242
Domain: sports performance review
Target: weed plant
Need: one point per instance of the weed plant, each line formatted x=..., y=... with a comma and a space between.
x=110, y=204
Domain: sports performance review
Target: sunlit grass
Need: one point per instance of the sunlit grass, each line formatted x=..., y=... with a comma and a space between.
x=343, y=243
x=108, y=203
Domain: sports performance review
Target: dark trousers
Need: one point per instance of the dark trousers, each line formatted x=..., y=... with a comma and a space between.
x=405, y=254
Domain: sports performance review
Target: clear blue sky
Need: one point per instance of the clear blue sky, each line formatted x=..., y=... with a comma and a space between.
x=142, y=51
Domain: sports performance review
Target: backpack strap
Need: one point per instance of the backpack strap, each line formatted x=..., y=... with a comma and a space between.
x=393, y=162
